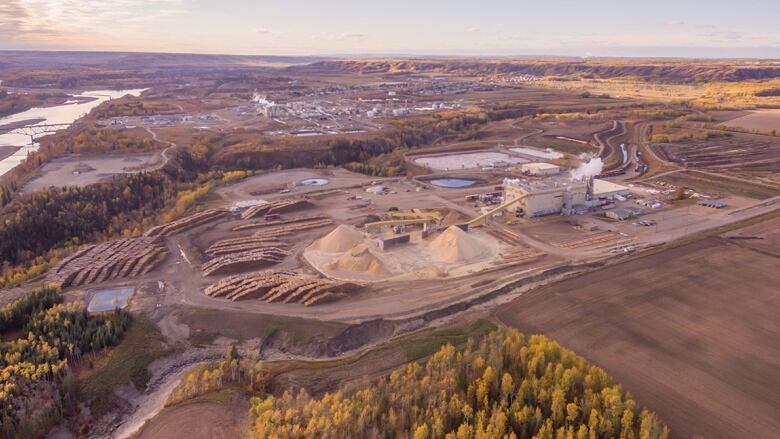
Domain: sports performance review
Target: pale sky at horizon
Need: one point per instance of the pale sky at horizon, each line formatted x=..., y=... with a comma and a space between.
x=492, y=27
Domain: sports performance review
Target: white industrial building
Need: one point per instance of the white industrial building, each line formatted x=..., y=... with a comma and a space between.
x=540, y=169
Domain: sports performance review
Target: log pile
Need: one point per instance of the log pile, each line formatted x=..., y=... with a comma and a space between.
x=117, y=259
x=243, y=261
x=247, y=243
x=275, y=207
x=293, y=224
x=594, y=240
x=281, y=286
x=187, y=223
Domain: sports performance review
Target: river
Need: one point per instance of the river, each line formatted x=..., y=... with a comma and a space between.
x=66, y=113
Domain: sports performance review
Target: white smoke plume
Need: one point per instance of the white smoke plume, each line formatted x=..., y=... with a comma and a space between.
x=261, y=100
x=590, y=169
x=511, y=182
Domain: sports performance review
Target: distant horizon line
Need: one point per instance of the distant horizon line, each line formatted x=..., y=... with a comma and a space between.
x=432, y=54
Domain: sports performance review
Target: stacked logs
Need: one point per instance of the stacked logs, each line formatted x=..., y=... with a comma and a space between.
x=243, y=261
x=187, y=223
x=292, y=224
x=247, y=243
x=281, y=286
x=121, y=258
x=275, y=207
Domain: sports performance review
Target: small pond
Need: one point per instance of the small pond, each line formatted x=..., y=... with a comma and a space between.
x=452, y=182
x=108, y=300
x=313, y=182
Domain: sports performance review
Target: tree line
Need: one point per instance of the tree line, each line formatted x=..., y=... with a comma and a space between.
x=505, y=386
x=36, y=384
x=35, y=223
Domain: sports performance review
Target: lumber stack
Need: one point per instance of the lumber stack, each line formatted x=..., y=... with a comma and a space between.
x=281, y=286
x=243, y=261
x=275, y=207
x=293, y=224
x=117, y=259
x=187, y=223
x=247, y=243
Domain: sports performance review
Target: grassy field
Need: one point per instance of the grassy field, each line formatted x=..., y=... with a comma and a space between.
x=691, y=332
x=207, y=324
x=127, y=362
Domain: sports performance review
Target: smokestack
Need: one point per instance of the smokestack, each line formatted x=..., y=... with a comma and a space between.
x=589, y=182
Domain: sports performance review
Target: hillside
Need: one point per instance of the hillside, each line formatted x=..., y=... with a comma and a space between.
x=652, y=70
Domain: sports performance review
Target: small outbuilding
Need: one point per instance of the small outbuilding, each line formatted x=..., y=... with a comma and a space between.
x=620, y=214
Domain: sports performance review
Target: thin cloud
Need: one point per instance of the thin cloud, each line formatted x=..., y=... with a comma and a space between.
x=674, y=23
x=353, y=36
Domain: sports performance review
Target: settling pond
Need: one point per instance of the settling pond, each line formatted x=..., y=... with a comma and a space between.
x=313, y=182
x=454, y=183
x=108, y=300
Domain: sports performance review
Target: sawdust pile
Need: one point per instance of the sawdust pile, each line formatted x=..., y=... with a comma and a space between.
x=455, y=245
x=359, y=259
x=341, y=239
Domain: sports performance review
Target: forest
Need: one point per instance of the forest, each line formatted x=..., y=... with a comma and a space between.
x=11, y=103
x=234, y=152
x=36, y=384
x=35, y=223
x=505, y=386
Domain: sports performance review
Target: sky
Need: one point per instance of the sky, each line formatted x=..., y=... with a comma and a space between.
x=681, y=28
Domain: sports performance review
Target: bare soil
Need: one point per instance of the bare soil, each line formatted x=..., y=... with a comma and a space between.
x=691, y=332
x=199, y=419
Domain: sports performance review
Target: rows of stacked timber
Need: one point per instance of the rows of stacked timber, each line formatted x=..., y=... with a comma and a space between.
x=117, y=259
x=281, y=286
x=275, y=207
x=292, y=224
x=187, y=222
x=597, y=239
x=243, y=244
x=243, y=261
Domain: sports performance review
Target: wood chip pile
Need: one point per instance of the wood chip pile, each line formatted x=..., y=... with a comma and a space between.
x=122, y=258
x=281, y=286
x=187, y=223
x=274, y=207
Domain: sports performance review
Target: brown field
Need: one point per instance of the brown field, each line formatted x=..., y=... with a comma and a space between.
x=714, y=184
x=737, y=153
x=221, y=417
x=691, y=332
x=759, y=120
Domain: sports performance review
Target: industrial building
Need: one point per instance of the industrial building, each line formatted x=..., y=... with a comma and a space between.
x=540, y=169
x=557, y=195
x=544, y=198
x=607, y=189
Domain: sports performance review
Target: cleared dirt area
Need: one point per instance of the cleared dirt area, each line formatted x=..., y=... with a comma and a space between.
x=751, y=154
x=691, y=332
x=710, y=183
x=760, y=120
x=199, y=419
x=81, y=170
